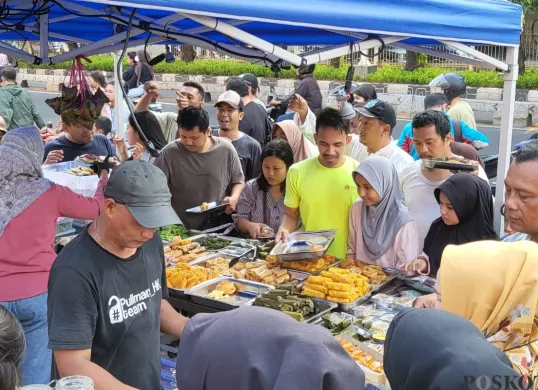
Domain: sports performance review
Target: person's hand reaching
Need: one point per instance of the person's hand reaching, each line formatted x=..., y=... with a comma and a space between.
x=54, y=156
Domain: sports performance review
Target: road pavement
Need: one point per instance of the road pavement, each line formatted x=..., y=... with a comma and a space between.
x=169, y=105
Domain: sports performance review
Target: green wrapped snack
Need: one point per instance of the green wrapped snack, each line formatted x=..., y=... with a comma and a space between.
x=297, y=316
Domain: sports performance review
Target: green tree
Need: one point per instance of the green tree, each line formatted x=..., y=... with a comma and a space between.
x=529, y=6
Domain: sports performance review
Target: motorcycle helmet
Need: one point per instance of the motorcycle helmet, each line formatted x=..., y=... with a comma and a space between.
x=452, y=84
x=306, y=69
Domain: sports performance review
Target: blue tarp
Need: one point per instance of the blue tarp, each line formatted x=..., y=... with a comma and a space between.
x=307, y=22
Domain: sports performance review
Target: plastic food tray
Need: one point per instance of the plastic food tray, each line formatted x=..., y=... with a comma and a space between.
x=199, y=293
x=285, y=252
x=83, y=185
x=63, y=225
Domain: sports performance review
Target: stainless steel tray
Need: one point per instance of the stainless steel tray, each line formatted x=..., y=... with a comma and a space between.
x=199, y=293
x=324, y=308
x=336, y=264
x=177, y=292
x=377, y=287
x=285, y=252
x=351, y=305
x=212, y=206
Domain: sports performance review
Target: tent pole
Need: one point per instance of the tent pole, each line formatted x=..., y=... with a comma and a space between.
x=446, y=56
x=476, y=54
x=249, y=39
x=18, y=53
x=44, y=36
x=118, y=110
x=342, y=50
x=505, y=137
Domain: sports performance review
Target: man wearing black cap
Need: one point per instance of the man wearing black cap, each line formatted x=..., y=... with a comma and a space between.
x=255, y=122
x=253, y=88
x=107, y=288
x=378, y=118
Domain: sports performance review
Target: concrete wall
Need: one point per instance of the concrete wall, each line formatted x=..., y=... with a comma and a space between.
x=406, y=99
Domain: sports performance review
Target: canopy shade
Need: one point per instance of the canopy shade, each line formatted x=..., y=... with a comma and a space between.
x=311, y=22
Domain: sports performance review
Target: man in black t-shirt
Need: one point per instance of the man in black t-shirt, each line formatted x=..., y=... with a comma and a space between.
x=107, y=288
x=254, y=122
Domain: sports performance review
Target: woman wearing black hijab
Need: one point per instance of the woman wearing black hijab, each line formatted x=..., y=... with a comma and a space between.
x=466, y=216
x=428, y=349
x=253, y=348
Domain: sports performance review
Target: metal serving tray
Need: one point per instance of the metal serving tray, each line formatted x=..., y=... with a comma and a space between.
x=439, y=164
x=288, y=252
x=177, y=292
x=336, y=264
x=212, y=206
x=324, y=308
x=351, y=305
x=199, y=293
x=377, y=287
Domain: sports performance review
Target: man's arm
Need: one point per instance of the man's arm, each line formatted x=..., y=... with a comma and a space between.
x=473, y=136
x=150, y=90
x=6, y=108
x=289, y=223
x=77, y=362
x=172, y=323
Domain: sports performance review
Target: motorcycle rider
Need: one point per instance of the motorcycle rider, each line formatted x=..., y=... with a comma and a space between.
x=454, y=87
x=308, y=88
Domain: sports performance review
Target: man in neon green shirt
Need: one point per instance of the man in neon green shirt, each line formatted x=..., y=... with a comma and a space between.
x=320, y=190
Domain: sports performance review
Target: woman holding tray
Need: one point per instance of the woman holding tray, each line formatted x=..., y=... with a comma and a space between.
x=381, y=230
x=260, y=207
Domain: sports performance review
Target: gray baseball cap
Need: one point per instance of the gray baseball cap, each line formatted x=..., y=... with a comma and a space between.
x=143, y=189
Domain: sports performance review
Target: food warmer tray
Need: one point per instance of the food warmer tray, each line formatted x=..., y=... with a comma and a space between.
x=358, y=302
x=286, y=252
x=246, y=298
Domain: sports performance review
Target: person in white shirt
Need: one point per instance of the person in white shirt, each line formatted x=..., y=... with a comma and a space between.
x=304, y=118
x=377, y=120
x=431, y=133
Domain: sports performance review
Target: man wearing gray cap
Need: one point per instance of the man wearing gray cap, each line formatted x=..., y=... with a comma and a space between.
x=107, y=288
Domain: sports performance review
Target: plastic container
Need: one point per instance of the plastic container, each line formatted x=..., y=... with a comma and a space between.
x=57, y=173
x=36, y=387
x=75, y=383
x=63, y=225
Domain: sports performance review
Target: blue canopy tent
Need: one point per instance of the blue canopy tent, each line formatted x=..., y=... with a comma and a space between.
x=254, y=30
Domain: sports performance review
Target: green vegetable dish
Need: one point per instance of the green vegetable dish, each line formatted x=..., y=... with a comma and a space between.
x=168, y=233
x=213, y=243
x=287, y=301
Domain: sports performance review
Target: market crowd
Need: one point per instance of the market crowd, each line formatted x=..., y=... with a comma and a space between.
x=99, y=306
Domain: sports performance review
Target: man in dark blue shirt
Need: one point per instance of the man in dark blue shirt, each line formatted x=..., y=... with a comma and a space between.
x=76, y=141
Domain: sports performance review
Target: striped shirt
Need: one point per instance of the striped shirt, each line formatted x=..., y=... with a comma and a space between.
x=250, y=206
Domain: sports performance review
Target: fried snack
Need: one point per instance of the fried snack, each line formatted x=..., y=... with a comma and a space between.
x=346, y=263
x=220, y=264
x=361, y=357
x=283, y=279
x=317, y=287
x=339, y=271
x=226, y=287
x=340, y=300
x=186, y=276
x=315, y=248
x=204, y=206
x=313, y=293
x=342, y=278
x=178, y=241
x=323, y=281
x=311, y=266
x=340, y=294
x=339, y=286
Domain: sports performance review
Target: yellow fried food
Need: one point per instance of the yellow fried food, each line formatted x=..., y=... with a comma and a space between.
x=339, y=286
x=186, y=276
x=339, y=270
x=347, y=279
x=313, y=293
x=340, y=294
x=340, y=300
x=318, y=280
x=317, y=287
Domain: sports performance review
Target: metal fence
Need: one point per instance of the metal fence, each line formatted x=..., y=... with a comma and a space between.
x=391, y=55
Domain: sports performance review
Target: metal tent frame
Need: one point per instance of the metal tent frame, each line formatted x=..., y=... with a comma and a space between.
x=254, y=49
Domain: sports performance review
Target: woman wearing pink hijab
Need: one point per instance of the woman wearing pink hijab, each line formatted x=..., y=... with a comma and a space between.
x=301, y=147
